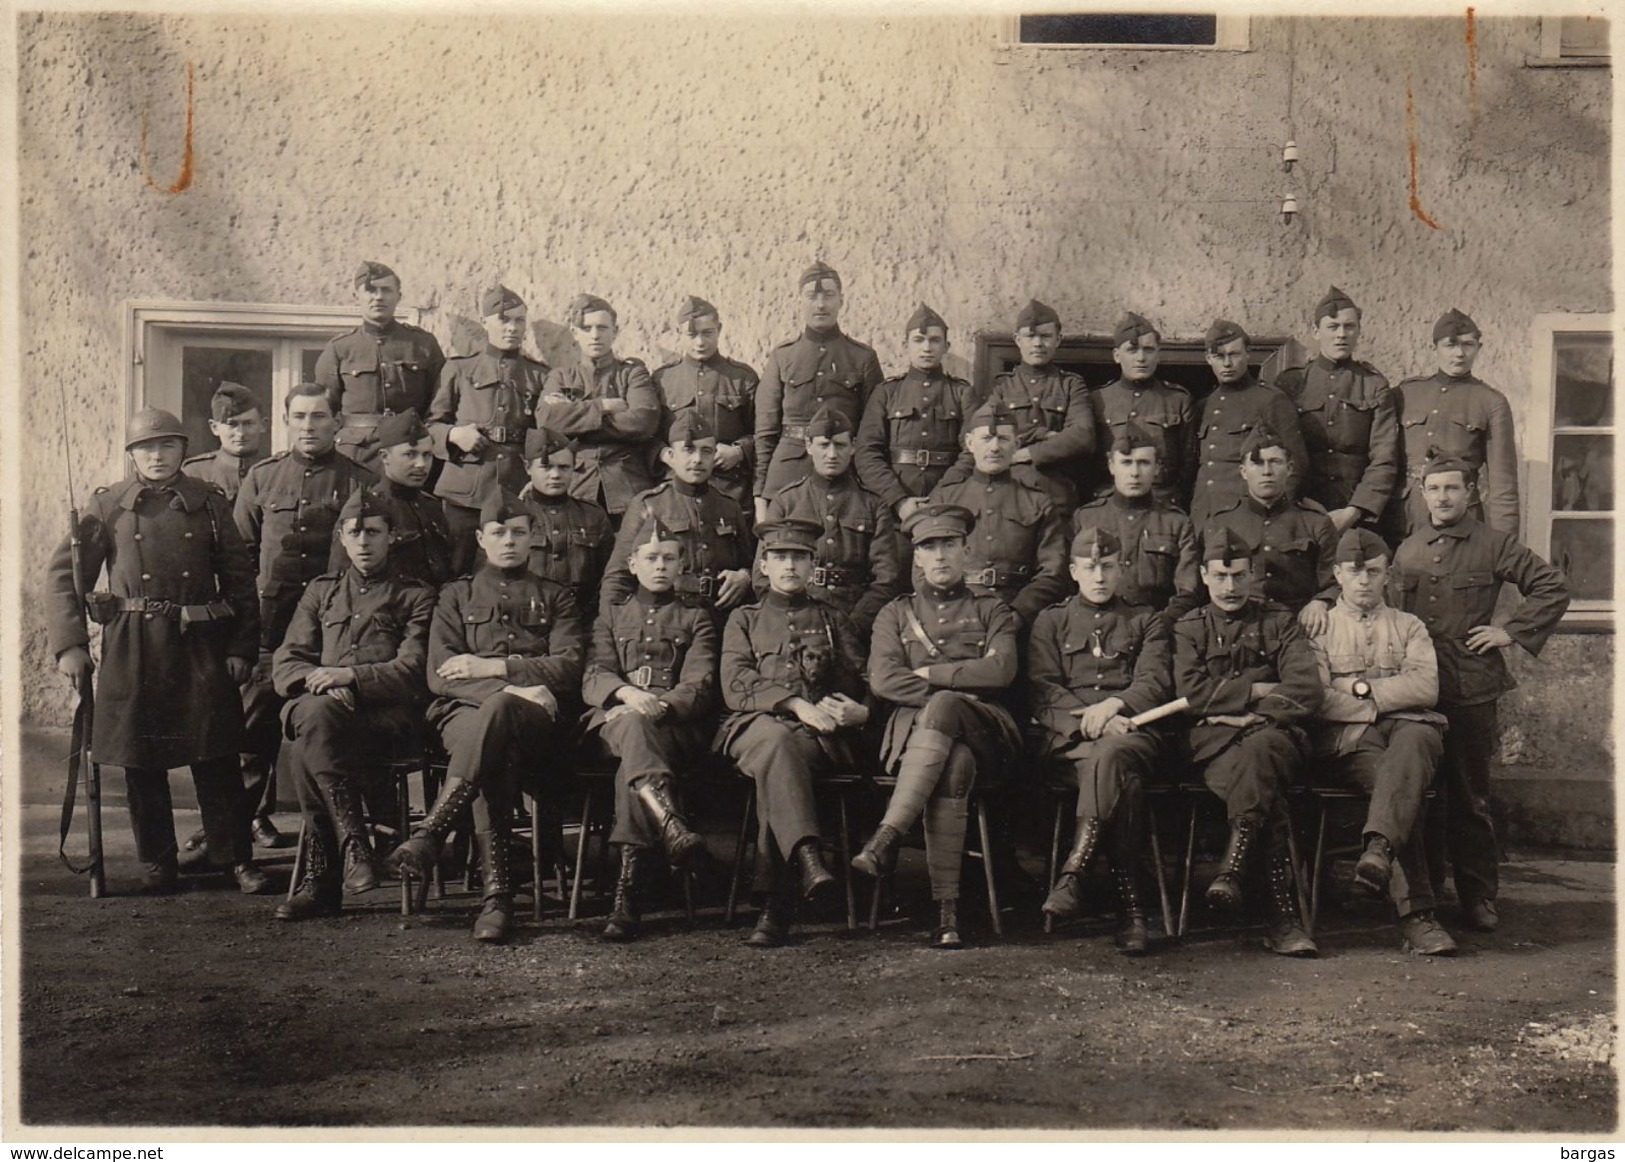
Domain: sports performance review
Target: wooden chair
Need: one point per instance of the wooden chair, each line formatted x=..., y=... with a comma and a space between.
x=981, y=852
x=745, y=847
x=595, y=775
x=1195, y=795
x=1325, y=799
x=1066, y=803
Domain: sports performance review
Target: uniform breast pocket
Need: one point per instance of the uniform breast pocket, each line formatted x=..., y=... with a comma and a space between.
x=479, y=627
x=1160, y=556
x=966, y=645
x=380, y=642
x=1345, y=665
x=1472, y=582
x=858, y=529
x=1296, y=547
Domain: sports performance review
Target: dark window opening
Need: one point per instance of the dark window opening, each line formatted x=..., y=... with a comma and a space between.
x=1183, y=362
x=1119, y=28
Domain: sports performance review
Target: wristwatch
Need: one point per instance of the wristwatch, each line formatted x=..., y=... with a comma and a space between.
x=1362, y=688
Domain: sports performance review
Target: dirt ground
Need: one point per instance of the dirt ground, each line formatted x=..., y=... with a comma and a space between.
x=200, y=1009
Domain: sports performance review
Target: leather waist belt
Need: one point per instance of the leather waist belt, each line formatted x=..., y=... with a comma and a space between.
x=498, y=434
x=647, y=677
x=701, y=585
x=923, y=457
x=832, y=576
x=996, y=578
x=102, y=607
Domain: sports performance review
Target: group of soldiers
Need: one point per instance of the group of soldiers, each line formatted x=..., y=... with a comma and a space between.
x=811, y=571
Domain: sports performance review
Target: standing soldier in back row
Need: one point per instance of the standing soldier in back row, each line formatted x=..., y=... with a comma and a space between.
x=178, y=633
x=1160, y=408
x=1346, y=413
x=608, y=406
x=382, y=366
x=820, y=366
x=236, y=421
x=721, y=389
x=1055, y=426
x=479, y=418
x=1458, y=414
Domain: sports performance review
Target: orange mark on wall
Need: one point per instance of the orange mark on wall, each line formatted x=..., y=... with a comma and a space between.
x=1472, y=63
x=185, y=179
x=1410, y=130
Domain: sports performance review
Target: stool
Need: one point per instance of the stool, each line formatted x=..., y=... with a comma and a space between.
x=747, y=843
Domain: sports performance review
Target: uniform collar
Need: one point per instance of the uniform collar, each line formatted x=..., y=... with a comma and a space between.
x=821, y=336
x=602, y=363
x=1361, y=614
x=182, y=487
x=846, y=479
x=492, y=351
x=1270, y=508
x=649, y=597
x=398, y=491
x=382, y=574
x=1245, y=613
x=1137, y=503
x=373, y=328
x=513, y=574
x=1241, y=384
x=915, y=375
x=690, y=361
x=1045, y=371
x=1461, y=530
x=1088, y=606
x=984, y=478
x=787, y=600
x=529, y=493
x=696, y=491
x=933, y=593
x=321, y=461
x=1326, y=364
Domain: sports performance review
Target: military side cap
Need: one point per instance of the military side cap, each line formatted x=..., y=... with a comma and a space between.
x=231, y=399
x=1439, y=460
x=1262, y=436
x=501, y=506
x=1357, y=546
x=583, y=305
x=151, y=424
x=1223, y=331
x=544, y=443
x=399, y=428
x=1332, y=302
x=922, y=318
x=1134, y=435
x=817, y=271
x=992, y=415
x=1130, y=327
x=363, y=502
x=1036, y=314
x=494, y=300
x=656, y=533
x=828, y=422
x=689, y=426
x=373, y=272
x=693, y=307
x=1454, y=324
x=1094, y=542
x=1225, y=545
x=792, y=535
x=939, y=520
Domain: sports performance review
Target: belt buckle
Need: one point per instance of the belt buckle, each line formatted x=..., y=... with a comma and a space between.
x=160, y=606
x=988, y=577
x=641, y=677
x=820, y=575
x=915, y=456
x=708, y=586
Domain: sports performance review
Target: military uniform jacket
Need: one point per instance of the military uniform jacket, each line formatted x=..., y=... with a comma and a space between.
x=497, y=391
x=969, y=644
x=723, y=390
x=1463, y=417
x=374, y=370
x=1081, y=654
x=1451, y=579
x=1054, y=422
x=221, y=469
x=657, y=644
x=1017, y=551
x=1350, y=432
x=1159, y=566
x=378, y=626
x=570, y=543
x=1296, y=543
x=286, y=512
x=855, y=566
x=1217, y=658
x=709, y=527
x=1163, y=410
x=910, y=434
x=1389, y=648
x=613, y=449
x=786, y=647
x=164, y=697
x=511, y=614
x=1224, y=420
x=801, y=376
x=419, y=540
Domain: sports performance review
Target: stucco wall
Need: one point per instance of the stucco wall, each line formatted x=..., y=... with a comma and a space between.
x=647, y=157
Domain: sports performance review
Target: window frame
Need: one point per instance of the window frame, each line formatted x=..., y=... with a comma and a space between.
x=146, y=319
x=1230, y=34
x=994, y=347
x=1552, y=55
x=1584, y=614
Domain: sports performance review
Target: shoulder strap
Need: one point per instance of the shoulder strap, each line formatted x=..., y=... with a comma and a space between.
x=918, y=630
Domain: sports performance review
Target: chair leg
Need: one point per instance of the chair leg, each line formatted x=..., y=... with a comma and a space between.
x=403, y=810
x=688, y=896
x=1297, y=874
x=846, y=862
x=1190, y=859
x=431, y=792
x=299, y=856
x=740, y=847
x=583, y=839
x=536, y=857
x=1316, y=870
x=1054, y=854
x=987, y=869
x=1156, y=863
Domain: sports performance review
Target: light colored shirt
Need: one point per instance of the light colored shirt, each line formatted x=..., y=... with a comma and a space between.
x=1392, y=651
